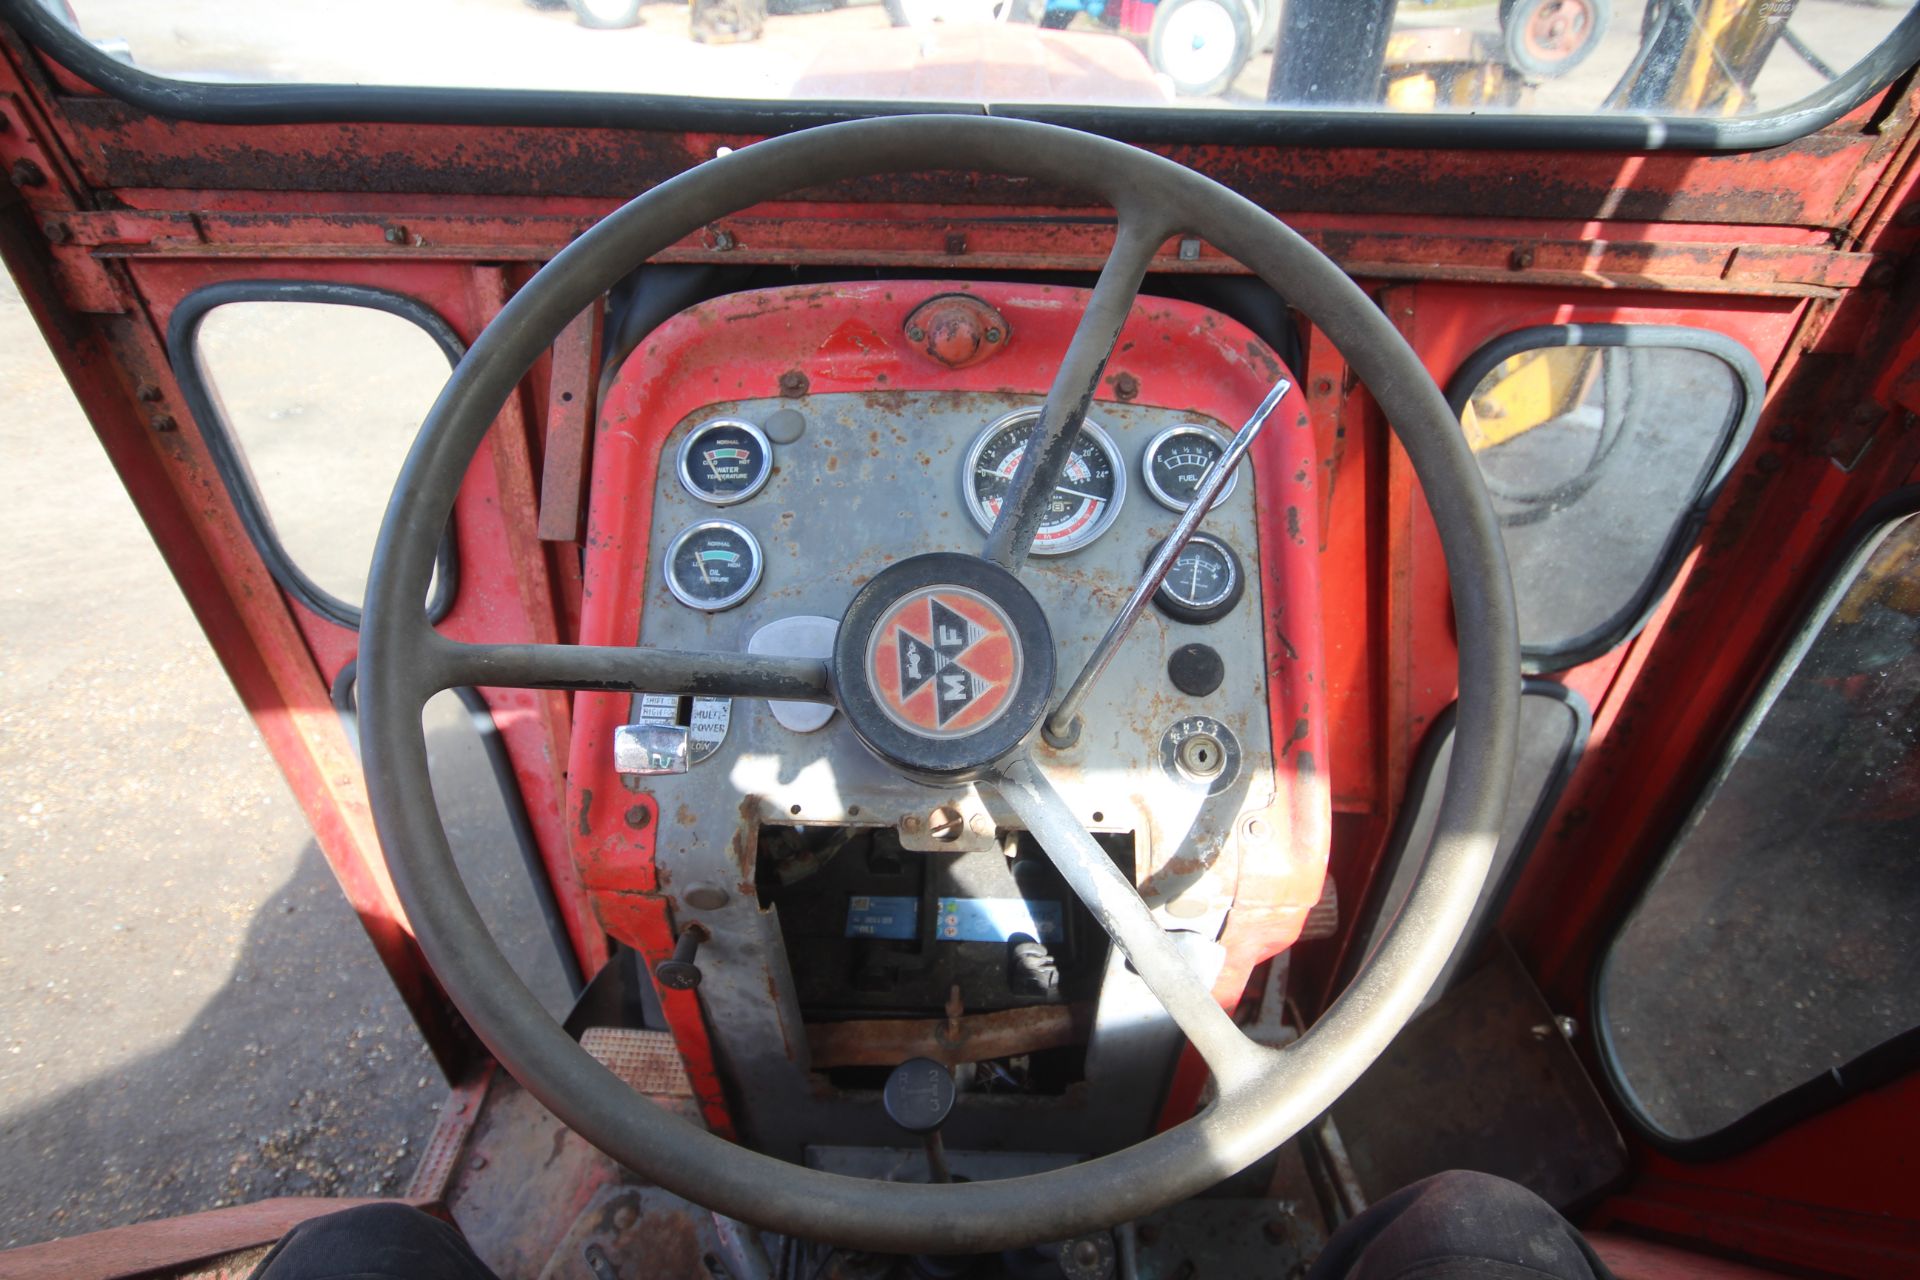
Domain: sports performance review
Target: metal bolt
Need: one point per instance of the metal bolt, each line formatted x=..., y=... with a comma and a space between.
x=147, y=393
x=1257, y=828
x=705, y=897
x=28, y=174
x=1520, y=259
x=980, y=824
x=59, y=233
x=1086, y=1253
x=1126, y=386
x=793, y=384
x=638, y=817
x=396, y=234
x=916, y=334
x=477, y=1163
x=1189, y=250
x=910, y=825
x=956, y=243
x=680, y=973
x=993, y=335
x=164, y=422
x=720, y=240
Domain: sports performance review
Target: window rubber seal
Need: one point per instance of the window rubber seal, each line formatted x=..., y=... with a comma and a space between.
x=494, y=745
x=1627, y=621
x=217, y=103
x=230, y=462
x=1494, y=895
x=1884, y=1063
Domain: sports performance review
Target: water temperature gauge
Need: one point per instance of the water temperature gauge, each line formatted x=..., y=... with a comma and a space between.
x=713, y=565
x=1204, y=583
x=725, y=460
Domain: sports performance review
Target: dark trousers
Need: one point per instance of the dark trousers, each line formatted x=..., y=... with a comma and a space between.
x=1454, y=1226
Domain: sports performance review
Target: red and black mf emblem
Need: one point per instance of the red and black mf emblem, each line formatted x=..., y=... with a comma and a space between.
x=943, y=662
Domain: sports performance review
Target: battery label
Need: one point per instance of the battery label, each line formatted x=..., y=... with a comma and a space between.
x=897, y=919
x=997, y=919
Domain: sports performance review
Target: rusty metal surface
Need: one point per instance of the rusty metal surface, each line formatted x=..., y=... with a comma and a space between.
x=974, y=1037
x=1483, y=1080
x=444, y=1146
x=636, y=1233
x=524, y=1179
x=571, y=393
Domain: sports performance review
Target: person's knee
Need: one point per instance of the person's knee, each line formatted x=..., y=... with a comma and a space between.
x=373, y=1240
x=1459, y=1222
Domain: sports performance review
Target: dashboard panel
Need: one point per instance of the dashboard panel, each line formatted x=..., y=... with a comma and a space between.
x=762, y=458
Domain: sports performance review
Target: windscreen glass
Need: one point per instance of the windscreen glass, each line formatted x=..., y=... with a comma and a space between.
x=1660, y=57
x=1782, y=937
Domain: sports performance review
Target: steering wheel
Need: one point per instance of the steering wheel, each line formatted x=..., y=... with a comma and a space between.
x=1264, y=1095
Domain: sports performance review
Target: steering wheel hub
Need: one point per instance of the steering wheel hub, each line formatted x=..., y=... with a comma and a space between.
x=943, y=665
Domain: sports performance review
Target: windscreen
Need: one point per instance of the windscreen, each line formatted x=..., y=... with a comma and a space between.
x=1485, y=57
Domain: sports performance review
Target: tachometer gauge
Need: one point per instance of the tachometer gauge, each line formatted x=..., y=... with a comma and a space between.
x=1084, y=502
x=1178, y=459
x=725, y=460
x=1205, y=583
x=713, y=565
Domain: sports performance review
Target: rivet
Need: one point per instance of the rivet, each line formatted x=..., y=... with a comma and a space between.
x=1126, y=386
x=639, y=816
x=164, y=422
x=794, y=384
x=1520, y=259
x=396, y=234
x=28, y=174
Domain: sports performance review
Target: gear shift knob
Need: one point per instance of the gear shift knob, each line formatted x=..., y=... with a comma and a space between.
x=919, y=1097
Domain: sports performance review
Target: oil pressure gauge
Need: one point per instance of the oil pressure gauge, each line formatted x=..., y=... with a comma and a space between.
x=1204, y=584
x=1178, y=459
x=713, y=565
x=725, y=460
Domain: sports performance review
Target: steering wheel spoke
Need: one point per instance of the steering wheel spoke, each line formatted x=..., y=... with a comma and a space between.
x=611, y=669
x=1137, y=238
x=1114, y=901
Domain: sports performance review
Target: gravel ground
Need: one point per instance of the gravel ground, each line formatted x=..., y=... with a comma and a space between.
x=189, y=1013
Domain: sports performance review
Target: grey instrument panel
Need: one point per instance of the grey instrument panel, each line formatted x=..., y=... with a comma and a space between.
x=876, y=478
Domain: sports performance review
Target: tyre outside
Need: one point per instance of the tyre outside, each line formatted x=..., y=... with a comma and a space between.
x=1200, y=45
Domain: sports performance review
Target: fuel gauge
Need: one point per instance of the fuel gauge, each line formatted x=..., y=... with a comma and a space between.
x=713, y=565
x=1204, y=584
x=1178, y=459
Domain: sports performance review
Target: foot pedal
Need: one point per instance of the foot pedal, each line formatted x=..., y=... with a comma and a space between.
x=648, y=1061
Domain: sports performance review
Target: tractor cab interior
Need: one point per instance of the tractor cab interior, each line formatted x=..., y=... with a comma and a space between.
x=1106, y=633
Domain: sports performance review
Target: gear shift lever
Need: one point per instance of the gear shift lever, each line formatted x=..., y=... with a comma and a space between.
x=919, y=1097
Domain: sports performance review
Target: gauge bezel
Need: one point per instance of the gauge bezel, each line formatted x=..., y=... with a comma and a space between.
x=1086, y=537
x=1175, y=606
x=1160, y=495
x=684, y=467
x=725, y=602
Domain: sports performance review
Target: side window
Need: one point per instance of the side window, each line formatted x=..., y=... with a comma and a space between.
x=309, y=396
x=1553, y=732
x=1780, y=940
x=1602, y=447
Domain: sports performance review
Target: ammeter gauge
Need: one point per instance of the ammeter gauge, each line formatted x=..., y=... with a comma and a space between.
x=1205, y=583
